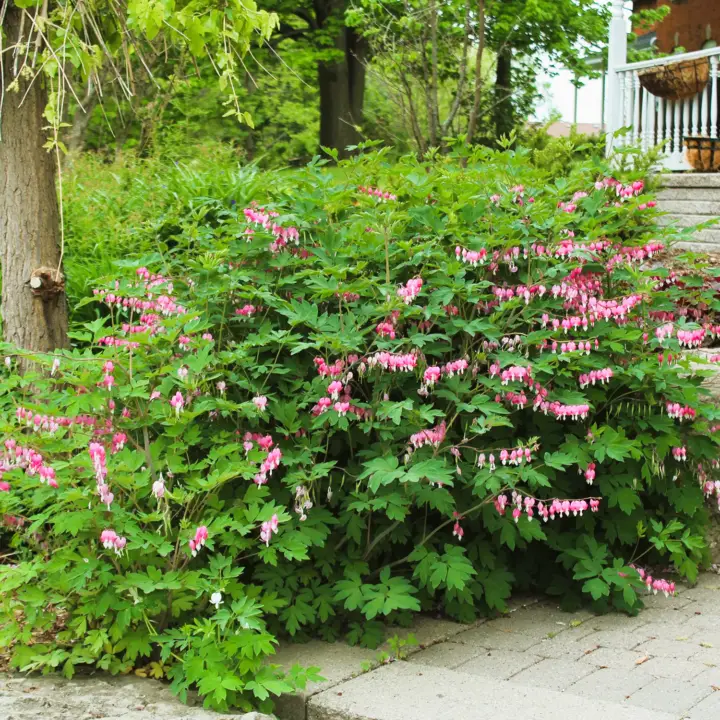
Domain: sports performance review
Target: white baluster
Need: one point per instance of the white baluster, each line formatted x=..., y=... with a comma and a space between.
x=628, y=107
x=685, y=125
x=714, y=97
x=695, y=113
x=660, y=121
x=617, y=56
x=651, y=105
x=636, y=107
x=669, y=125
x=677, y=147
x=622, y=111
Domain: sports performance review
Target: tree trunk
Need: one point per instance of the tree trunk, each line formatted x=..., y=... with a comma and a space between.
x=503, y=109
x=356, y=58
x=81, y=119
x=342, y=89
x=34, y=309
x=334, y=85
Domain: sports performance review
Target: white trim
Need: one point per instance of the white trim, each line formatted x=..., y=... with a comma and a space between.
x=670, y=60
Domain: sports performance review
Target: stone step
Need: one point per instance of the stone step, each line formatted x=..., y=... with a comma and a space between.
x=689, y=193
x=710, y=208
x=685, y=220
x=693, y=180
x=412, y=691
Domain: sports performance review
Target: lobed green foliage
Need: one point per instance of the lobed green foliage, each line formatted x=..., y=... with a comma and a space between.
x=359, y=526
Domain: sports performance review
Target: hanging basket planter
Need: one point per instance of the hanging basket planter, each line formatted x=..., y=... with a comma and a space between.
x=677, y=81
x=703, y=153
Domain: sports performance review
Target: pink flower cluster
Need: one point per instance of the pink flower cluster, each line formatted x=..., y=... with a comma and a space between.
x=520, y=291
x=569, y=207
x=386, y=329
x=381, y=195
x=269, y=464
x=38, y=422
x=634, y=254
x=627, y=191
x=268, y=528
x=163, y=304
x=664, y=331
x=458, y=532
x=518, y=400
x=325, y=370
x=547, y=510
x=655, y=585
x=112, y=541
x=27, y=459
x=432, y=375
x=410, y=290
x=594, y=376
x=272, y=459
x=691, y=338
x=246, y=311
x=99, y=462
x=471, y=257
x=196, y=544
x=567, y=246
x=177, y=402
x=433, y=436
x=118, y=442
x=515, y=373
x=681, y=412
x=50, y=424
x=158, y=488
x=334, y=389
x=560, y=411
x=394, y=362
x=590, y=473
x=455, y=367
x=111, y=341
x=566, y=324
x=680, y=453
x=516, y=456
x=570, y=346
x=283, y=235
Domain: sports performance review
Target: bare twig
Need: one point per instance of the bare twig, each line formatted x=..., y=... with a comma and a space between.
x=462, y=75
x=472, y=122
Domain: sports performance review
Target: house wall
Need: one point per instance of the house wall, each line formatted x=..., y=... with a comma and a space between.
x=689, y=20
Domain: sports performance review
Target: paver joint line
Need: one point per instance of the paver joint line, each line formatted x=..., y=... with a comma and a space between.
x=660, y=666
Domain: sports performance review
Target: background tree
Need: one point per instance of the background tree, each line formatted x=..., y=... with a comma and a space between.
x=47, y=48
x=437, y=58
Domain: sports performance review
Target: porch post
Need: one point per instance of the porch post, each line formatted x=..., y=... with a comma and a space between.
x=617, y=55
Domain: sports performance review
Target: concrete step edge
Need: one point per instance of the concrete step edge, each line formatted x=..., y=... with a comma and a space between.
x=711, y=208
x=405, y=691
x=696, y=180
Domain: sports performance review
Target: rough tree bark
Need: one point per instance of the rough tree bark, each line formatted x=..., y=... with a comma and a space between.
x=503, y=109
x=341, y=82
x=34, y=309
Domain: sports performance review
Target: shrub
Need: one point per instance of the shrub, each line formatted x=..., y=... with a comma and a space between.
x=348, y=405
x=556, y=154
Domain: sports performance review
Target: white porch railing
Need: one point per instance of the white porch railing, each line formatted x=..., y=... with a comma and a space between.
x=652, y=119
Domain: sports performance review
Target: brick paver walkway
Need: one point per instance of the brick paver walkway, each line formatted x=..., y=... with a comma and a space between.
x=536, y=663
x=666, y=659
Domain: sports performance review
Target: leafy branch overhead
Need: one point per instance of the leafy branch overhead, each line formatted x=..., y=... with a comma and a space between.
x=105, y=43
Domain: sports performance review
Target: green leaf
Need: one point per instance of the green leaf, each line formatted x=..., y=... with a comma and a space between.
x=597, y=588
